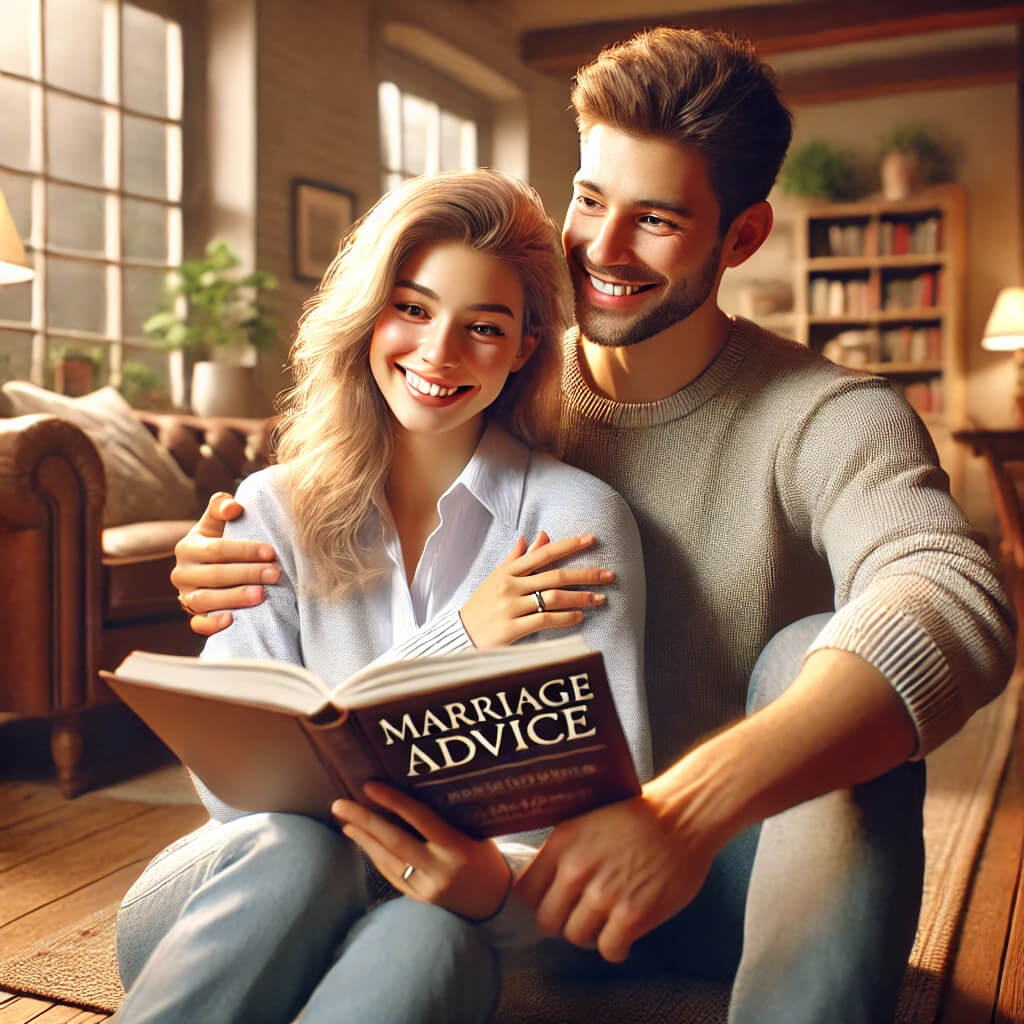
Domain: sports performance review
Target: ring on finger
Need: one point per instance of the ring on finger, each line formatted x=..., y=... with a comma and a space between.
x=186, y=607
x=407, y=873
x=541, y=606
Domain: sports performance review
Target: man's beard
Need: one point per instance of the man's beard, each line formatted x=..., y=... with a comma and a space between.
x=604, y=327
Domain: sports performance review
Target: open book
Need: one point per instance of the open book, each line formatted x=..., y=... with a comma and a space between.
x=495, y=741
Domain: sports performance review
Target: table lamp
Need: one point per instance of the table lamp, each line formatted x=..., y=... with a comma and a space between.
x=1004, y=332
x=13, y=267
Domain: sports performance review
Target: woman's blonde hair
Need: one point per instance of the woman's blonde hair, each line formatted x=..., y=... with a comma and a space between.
x=336, y=429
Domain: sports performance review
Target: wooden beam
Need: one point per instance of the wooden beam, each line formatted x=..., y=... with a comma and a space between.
x=775, y=28
x=916, y=72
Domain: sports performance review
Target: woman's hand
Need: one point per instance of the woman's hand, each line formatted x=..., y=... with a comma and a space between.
x=212, y=574
x=503, y=608
x=466, y=876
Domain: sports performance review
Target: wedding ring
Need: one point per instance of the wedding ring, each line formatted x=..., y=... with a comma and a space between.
x=541, y=606
x=407, y=873
x=186, y=607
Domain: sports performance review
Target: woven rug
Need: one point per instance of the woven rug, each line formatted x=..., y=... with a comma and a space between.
x=77, y=965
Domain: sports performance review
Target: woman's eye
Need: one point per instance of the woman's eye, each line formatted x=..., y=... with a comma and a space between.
x=488, y=330
x=410, y=309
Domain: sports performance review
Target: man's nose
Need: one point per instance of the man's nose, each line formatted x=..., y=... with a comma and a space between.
x=612, y=244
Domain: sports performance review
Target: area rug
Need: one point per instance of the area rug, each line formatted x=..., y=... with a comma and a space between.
x=78, y=966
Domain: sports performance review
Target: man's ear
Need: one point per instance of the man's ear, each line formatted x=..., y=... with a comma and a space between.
x=747, y=233
x=526, y=349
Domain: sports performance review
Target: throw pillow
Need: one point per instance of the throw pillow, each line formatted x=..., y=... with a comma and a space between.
x=143, y=480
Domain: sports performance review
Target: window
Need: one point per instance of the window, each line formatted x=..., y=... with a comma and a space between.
x=419, y=136
x=91, y=164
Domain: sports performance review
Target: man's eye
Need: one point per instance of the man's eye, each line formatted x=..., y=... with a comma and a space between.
x=587, y=202
x=654, y=221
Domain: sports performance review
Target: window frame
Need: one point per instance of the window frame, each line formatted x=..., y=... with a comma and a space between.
x=114, y=341
x=451, y=96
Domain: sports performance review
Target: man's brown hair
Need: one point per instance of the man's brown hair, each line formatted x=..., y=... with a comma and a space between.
x=703, y=89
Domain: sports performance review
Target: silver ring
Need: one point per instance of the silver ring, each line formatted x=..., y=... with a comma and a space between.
x=407, y=873
x=541, y=606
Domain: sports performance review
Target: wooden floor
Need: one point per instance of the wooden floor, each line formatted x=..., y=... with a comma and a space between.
x=61, y=860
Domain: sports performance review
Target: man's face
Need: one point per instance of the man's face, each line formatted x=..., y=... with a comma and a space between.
x=641, y=236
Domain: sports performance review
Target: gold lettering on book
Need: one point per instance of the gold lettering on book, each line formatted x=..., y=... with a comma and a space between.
x=549, y=714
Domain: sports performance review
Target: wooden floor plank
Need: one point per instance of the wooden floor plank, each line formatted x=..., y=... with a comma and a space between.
x=23, y=1009
x=63, y=871
x=1010, y=1000
x=20, y=801
x=70, y=822
x=975, y=974
x=60, y=914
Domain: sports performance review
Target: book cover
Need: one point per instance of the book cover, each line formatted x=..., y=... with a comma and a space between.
x=494, y=744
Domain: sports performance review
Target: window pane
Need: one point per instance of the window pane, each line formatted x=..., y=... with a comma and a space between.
x=418, y=125
x=144, y=42
x=145, y=377
x=18, y=193
x=18, y=21
x=144, y=231
x=15, y=124
x=76, y=295
x=15, y=355
x=389, y=100
x=145, y=157
x=74, y=137
x=74, y=45
x=76, y=219
x=458, y=143
x=143, y=296
x=16, y=299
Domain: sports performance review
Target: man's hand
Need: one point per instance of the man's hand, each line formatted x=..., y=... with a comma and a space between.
x=212, y=574
x=607, y=878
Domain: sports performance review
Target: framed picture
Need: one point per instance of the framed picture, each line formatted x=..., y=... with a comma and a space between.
x=321, y=214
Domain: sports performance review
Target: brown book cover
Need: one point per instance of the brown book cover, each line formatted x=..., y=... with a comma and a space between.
x=495, y=742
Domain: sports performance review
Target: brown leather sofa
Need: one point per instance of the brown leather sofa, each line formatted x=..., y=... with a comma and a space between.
x=75, y=597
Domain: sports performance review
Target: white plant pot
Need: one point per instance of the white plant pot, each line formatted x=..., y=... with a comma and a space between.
x=901, y=174
x=219, y=389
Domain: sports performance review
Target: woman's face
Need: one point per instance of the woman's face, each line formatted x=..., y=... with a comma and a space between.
x=449, y=337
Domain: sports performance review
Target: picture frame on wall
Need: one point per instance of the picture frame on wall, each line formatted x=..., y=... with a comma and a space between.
x=321, y=214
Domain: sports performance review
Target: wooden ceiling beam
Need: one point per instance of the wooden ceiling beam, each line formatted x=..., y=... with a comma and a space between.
x=775, y=28
x=947, y=70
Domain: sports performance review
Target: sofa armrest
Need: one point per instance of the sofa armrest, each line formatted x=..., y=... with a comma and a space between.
x=52, y=490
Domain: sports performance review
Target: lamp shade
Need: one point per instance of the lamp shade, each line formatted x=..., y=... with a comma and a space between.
x=13, y=267
x=1005, y=328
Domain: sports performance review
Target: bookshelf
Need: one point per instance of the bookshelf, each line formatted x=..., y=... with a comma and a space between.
x=877, y=286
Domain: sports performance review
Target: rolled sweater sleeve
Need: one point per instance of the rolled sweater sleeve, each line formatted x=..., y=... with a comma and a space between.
x=916, y=594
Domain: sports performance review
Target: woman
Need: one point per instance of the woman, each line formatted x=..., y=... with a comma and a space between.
x=426, y=366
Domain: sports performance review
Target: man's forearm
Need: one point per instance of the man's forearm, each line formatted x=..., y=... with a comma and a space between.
x=838, y=724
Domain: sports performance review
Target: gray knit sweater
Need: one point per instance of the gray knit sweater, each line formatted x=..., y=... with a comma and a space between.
x=777, y=485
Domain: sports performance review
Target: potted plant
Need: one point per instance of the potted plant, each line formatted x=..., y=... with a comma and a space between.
x=911, y=156
x=142, y=387
x=818, y=170
x=74, y=370
x=216, y=311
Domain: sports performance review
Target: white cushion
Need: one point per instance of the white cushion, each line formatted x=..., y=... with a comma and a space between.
x=143, y=480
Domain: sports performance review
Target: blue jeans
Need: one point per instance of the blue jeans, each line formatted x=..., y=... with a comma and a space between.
x=264, y=918
x=812, y=914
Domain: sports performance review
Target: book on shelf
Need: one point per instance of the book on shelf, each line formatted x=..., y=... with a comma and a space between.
x=495, y=741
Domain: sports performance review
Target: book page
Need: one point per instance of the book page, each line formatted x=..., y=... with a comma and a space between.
x=396, y=679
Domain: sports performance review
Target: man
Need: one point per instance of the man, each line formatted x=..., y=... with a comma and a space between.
x=768, y=486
